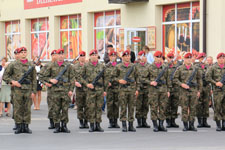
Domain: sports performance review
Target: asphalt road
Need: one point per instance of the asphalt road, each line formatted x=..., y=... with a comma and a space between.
x=111, y=139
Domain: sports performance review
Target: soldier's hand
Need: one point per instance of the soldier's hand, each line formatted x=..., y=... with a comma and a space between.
x=136, y=93
x=219, y=84
x=70, y=93
x=104, y=94
x=48, y=85
x=53, y=81
x=91, y=86
x=32, y=95
x=110, y=84
x=185, y=86
x=153, y=83
x=168, y=93
x=77, y=84
x=122, y=81
x=16, y=83
x=198, y=94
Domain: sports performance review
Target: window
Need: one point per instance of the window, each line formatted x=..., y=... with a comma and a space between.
x=40, y=38
x=71, y=35
x=12, y=38
x=106, y=30
x=181, y=27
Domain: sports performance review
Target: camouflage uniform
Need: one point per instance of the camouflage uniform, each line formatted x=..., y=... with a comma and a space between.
x=213, y=75
x=59, y=93
x=112, y=98
x=142, y=102
x=126, y=94
x=158, y=97
x=188, y=98
x=21, y=96
x=82, y=109
x=94, y=96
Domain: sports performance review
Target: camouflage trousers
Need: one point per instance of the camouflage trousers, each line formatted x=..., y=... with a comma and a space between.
x=219, y=105
x=112, y=104
x=127, y=101
x=82, y=109
x=158, y=103
x=95, y=102
x=22, y=106
x=50, y=105
x=188, y=103
x=142, y=105
x=172, y=105
x=61, y=102
x=203, y=104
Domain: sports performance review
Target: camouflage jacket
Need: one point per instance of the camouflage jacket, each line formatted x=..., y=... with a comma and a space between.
x=153, y=74
x=203, y=72
x=89, y=72
x=108, y=78
x=119, y=73
x=171, y=73
x=52, y=71
x=214, y=74
x=143, y=76
x=183, y=74
x=16, y=70
x=77, y=68
x=43, y=79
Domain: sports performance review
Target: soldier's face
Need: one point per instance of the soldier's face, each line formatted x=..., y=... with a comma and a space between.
x=209, y=61
x=201, y=59
x=187, y=61
x=54, y=57
x=23, y=54
x=94, y=57
x=221, y=60
x=144, y=59
x=17, y=56
x=82, y=59
x=112, y=58
x=126, y=58
x=61, y=57
x=158, y=59
x=169, y=59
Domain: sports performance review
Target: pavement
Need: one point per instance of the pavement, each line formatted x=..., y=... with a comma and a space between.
x=111, y=139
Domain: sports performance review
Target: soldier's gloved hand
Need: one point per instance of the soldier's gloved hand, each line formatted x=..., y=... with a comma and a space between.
x=91, y=86
x=153, y=83
x=16, y=83
x=32, y=95
x=48, y=85
x=53, y=81
x=219, y=84
x=122, y=81
x=185, y=86
x=77, y=84
x=198, y=94
x=70, y=93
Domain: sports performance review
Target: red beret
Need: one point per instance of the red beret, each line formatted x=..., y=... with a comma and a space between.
x=158, y=53
x=16, y=51
x=170, y=55
x=126, y=52
x=21, y=49
x=188, y=55
x=54, y=52
x=141, y=53
x=201, y=55
x=82, y=53
x=112, y=53
x=94, y=51
x=220, y=55
x=60, y=51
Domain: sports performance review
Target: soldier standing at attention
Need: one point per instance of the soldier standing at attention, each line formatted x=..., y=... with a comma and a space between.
x=126, y=74
x=23, y=91
x=214, y=75
x=95, y=91
x=82, y=110
x=203, y=102
x=60, y=76
x=142, y=103
x=50, y=100
x=158, y=94
x=190, y=89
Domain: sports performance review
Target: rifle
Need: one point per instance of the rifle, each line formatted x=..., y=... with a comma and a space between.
x=189, y=81
x=203, y=74
x=61, y=73
x=212, y=99
x=128, y=73
x=75, y=59
x=222, y=81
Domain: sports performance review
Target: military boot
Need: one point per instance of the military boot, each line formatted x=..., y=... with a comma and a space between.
x=110, y=123
x=57, y=128
x=22, y=127
x=168, y=123
x=26, y=129
x=18, y=129
x=124, y=126
x=155, y=126
x=98, y=127
x=15, y=127
x=145, y=124
x=116, y=124
x=86, y=124
x=223, y=125
x=200, y=123
x=161, y=127
x=64, y=127
x=173, y=123
x=218, y=124
x=81, y=124
x=205, y=124
x=52, y=125
x=131, y=127
x=191, y=126
x=185, y=126
x=92, y=127
x=139, y=122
